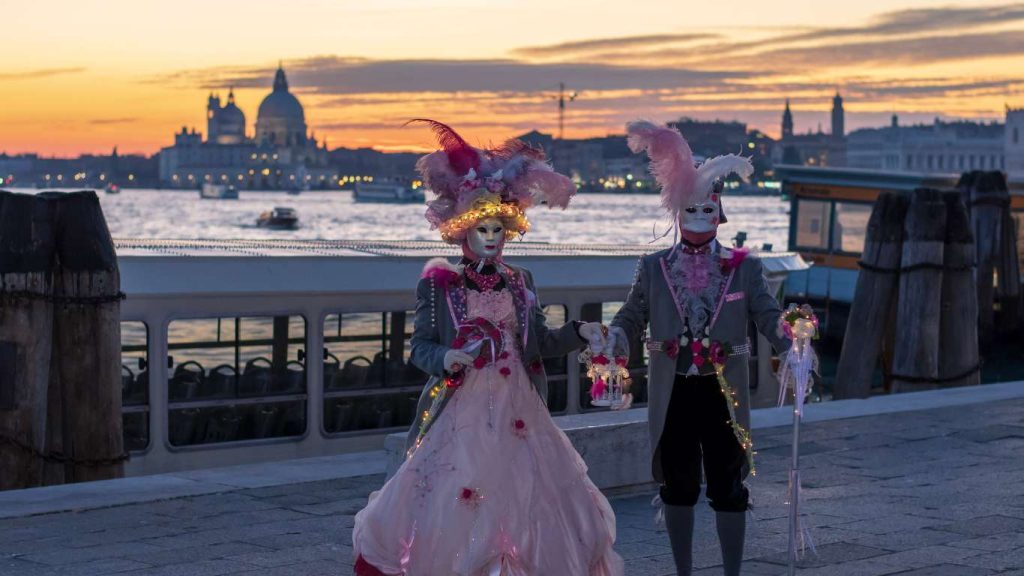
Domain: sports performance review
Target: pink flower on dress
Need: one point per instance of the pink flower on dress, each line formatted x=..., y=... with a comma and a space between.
x=600, y=359
x=479, y=362
x=698, y=360
x=503, y=356
x=519, y=427
x=459, y=342
x=470, y=497
x=505, y=371
x=696, y=347
x=621, y=361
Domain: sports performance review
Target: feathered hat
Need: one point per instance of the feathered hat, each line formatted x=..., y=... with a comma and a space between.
x=473, y=184
x=682, y=183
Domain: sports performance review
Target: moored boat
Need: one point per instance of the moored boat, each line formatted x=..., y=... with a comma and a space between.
x=218, y=192
x=388, y=193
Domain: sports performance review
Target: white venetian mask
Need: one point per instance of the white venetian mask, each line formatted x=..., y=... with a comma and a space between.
x=487, y=238
x=701, y=217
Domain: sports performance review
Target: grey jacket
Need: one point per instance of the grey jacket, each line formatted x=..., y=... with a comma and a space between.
x=650, y=301
x=439, y=308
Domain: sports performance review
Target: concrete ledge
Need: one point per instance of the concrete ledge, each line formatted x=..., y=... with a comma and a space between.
x=613, y=444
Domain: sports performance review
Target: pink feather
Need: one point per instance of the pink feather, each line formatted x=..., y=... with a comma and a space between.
x=736, y=258
x=540, y=185
x=460, y=154
x=671, y=162
x=441, y=271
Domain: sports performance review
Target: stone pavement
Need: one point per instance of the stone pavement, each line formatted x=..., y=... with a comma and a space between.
x=935, y=492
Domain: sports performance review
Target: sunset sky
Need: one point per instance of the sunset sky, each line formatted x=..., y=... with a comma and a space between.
x=86, y=75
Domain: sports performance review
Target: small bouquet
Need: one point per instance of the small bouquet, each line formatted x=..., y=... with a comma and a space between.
x=610, y=378
x=799, y=323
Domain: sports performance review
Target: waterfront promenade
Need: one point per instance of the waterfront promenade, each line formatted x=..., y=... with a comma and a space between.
x=934, y=487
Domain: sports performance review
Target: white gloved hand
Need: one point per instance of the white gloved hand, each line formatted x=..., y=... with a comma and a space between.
x=455, y=360
x=594, y=333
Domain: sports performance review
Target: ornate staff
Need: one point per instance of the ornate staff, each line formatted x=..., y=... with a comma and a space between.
x=801, y=325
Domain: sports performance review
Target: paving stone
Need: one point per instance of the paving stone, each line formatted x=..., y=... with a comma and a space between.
x=935, y=492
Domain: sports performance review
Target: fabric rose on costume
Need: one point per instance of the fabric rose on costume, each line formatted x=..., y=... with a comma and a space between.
x=519, y=427
x=470, y=497
x=600, y=359
x=505, y=371
x=672, y=348
x=479, y=362
x=717, y=353
x=536, y=367
x=698, y=361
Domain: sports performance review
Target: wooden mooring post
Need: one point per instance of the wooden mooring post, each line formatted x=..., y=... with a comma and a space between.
x=919, y=311
x=875, y=298
x=26, y=318
x=958, y=328
x=61, y=292
x=998, y=272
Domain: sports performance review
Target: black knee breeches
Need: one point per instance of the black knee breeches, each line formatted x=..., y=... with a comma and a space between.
x=698, y=428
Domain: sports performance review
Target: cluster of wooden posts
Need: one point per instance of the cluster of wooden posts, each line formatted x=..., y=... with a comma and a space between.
x=60, y=394
x=937, y=267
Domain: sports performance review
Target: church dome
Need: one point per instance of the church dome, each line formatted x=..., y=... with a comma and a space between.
x=281, y=104
x=231, y=114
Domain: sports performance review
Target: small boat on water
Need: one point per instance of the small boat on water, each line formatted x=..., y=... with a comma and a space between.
x=218, y=192
x=280, y=218
x=389, y=193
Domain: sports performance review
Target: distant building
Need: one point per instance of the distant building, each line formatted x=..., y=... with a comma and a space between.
x=282, y=154
x=813, y=148
x=941, y=147
x=1013, y=144
x=85, y=171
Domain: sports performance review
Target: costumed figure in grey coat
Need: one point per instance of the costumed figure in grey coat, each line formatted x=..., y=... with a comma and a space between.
x=697, y=299
x=490, y=486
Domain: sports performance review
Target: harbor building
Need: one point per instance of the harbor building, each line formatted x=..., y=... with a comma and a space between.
x=941, y=147
x=281, y=154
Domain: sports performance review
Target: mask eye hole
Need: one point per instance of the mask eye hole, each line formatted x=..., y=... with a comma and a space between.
x=709, y=210
x=482, y=230
x=692, y=210
x=497, y=230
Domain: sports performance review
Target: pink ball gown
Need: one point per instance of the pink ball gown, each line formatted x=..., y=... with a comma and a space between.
x=495, y=488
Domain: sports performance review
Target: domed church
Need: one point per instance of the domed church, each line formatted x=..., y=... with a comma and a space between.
x=281, y=155
x=281, y=120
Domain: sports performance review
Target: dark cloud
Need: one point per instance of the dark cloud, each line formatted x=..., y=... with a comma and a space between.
x=339, y=75
x=44, y=73
x=901, y=51
x=599, y=44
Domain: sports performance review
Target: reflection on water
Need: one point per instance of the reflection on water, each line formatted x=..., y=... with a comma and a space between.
x=596, y=218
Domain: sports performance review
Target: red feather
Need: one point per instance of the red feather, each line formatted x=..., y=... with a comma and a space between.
x=460, y=154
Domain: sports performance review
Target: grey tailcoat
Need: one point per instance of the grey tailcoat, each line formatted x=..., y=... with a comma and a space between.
x=440, y=307
x=650, y=301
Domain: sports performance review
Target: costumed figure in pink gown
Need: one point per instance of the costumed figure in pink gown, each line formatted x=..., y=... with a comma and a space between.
x=490, y=485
